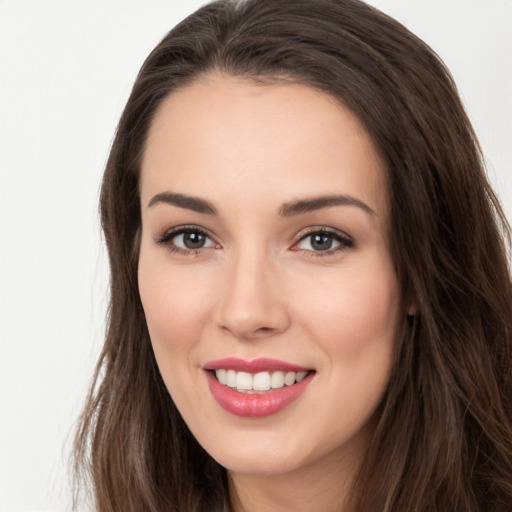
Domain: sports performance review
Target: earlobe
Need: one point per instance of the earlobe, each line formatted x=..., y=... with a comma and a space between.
x=412, y=309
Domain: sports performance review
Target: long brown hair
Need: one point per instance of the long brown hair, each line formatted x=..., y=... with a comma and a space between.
x=444, y=439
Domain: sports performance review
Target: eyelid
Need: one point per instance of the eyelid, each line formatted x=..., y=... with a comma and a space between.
x=177, y=230
x=345, y=240
x=166, y=237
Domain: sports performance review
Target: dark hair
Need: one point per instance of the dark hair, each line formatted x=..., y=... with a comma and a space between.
x=444, y=437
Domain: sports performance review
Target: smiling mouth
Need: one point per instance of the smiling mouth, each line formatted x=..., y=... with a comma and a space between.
x=258, y=383
x=256, y=388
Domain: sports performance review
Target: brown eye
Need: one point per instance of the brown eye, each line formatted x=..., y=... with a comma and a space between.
x=192, y=239
x=320, y=242
x=324, y=241
x=186, y=239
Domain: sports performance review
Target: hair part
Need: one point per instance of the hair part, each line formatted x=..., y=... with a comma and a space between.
x=444, y=438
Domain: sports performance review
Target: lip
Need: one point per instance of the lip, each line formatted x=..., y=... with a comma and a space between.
x=255, y=405
x=261, y=364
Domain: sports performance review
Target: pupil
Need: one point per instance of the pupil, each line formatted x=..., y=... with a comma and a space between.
x=193, y=240
x=321, y=242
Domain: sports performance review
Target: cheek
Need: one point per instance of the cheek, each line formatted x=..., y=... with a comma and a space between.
x=174, y=301
x=353, y=311
x=354, y=323
x=175, y=305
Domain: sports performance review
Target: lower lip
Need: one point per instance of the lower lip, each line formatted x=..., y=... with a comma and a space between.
x=256, y=405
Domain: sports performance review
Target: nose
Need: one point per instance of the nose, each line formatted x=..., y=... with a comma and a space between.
x=252, y=304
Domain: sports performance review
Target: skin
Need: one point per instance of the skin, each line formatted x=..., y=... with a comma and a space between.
x=259, y=288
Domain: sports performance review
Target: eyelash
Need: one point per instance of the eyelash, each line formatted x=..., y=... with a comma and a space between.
x=167, y=237
x=345, y=242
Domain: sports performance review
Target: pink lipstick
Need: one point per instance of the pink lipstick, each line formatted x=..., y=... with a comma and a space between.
x=262, y=364
x=258, y=387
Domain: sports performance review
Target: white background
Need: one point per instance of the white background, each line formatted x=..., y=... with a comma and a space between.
x=66, y=68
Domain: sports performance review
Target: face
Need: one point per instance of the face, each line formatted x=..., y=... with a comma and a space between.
x=265, y=275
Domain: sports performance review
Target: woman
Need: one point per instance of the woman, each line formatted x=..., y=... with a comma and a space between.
x=310, y=302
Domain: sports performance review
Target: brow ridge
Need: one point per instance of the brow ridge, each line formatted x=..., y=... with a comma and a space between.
x=182, y=201
x=317, y=203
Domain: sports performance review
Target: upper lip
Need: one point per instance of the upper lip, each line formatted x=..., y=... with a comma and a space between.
x=261, y=364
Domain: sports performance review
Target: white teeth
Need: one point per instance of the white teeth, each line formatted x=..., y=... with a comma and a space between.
x=289, y=378
x=277, y=380
x=243, y=381
x=221, y=376
x=300, y=376
x=231, y=379
x=262, y=381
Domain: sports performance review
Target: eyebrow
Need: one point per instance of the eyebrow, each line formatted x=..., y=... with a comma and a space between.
x=287, y=210
x=317, y=203
x=182, y=201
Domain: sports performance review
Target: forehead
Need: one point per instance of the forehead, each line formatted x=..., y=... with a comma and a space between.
x=271, y=139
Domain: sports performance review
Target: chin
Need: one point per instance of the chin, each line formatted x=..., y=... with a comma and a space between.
x=258, y=466
x=262, y=458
